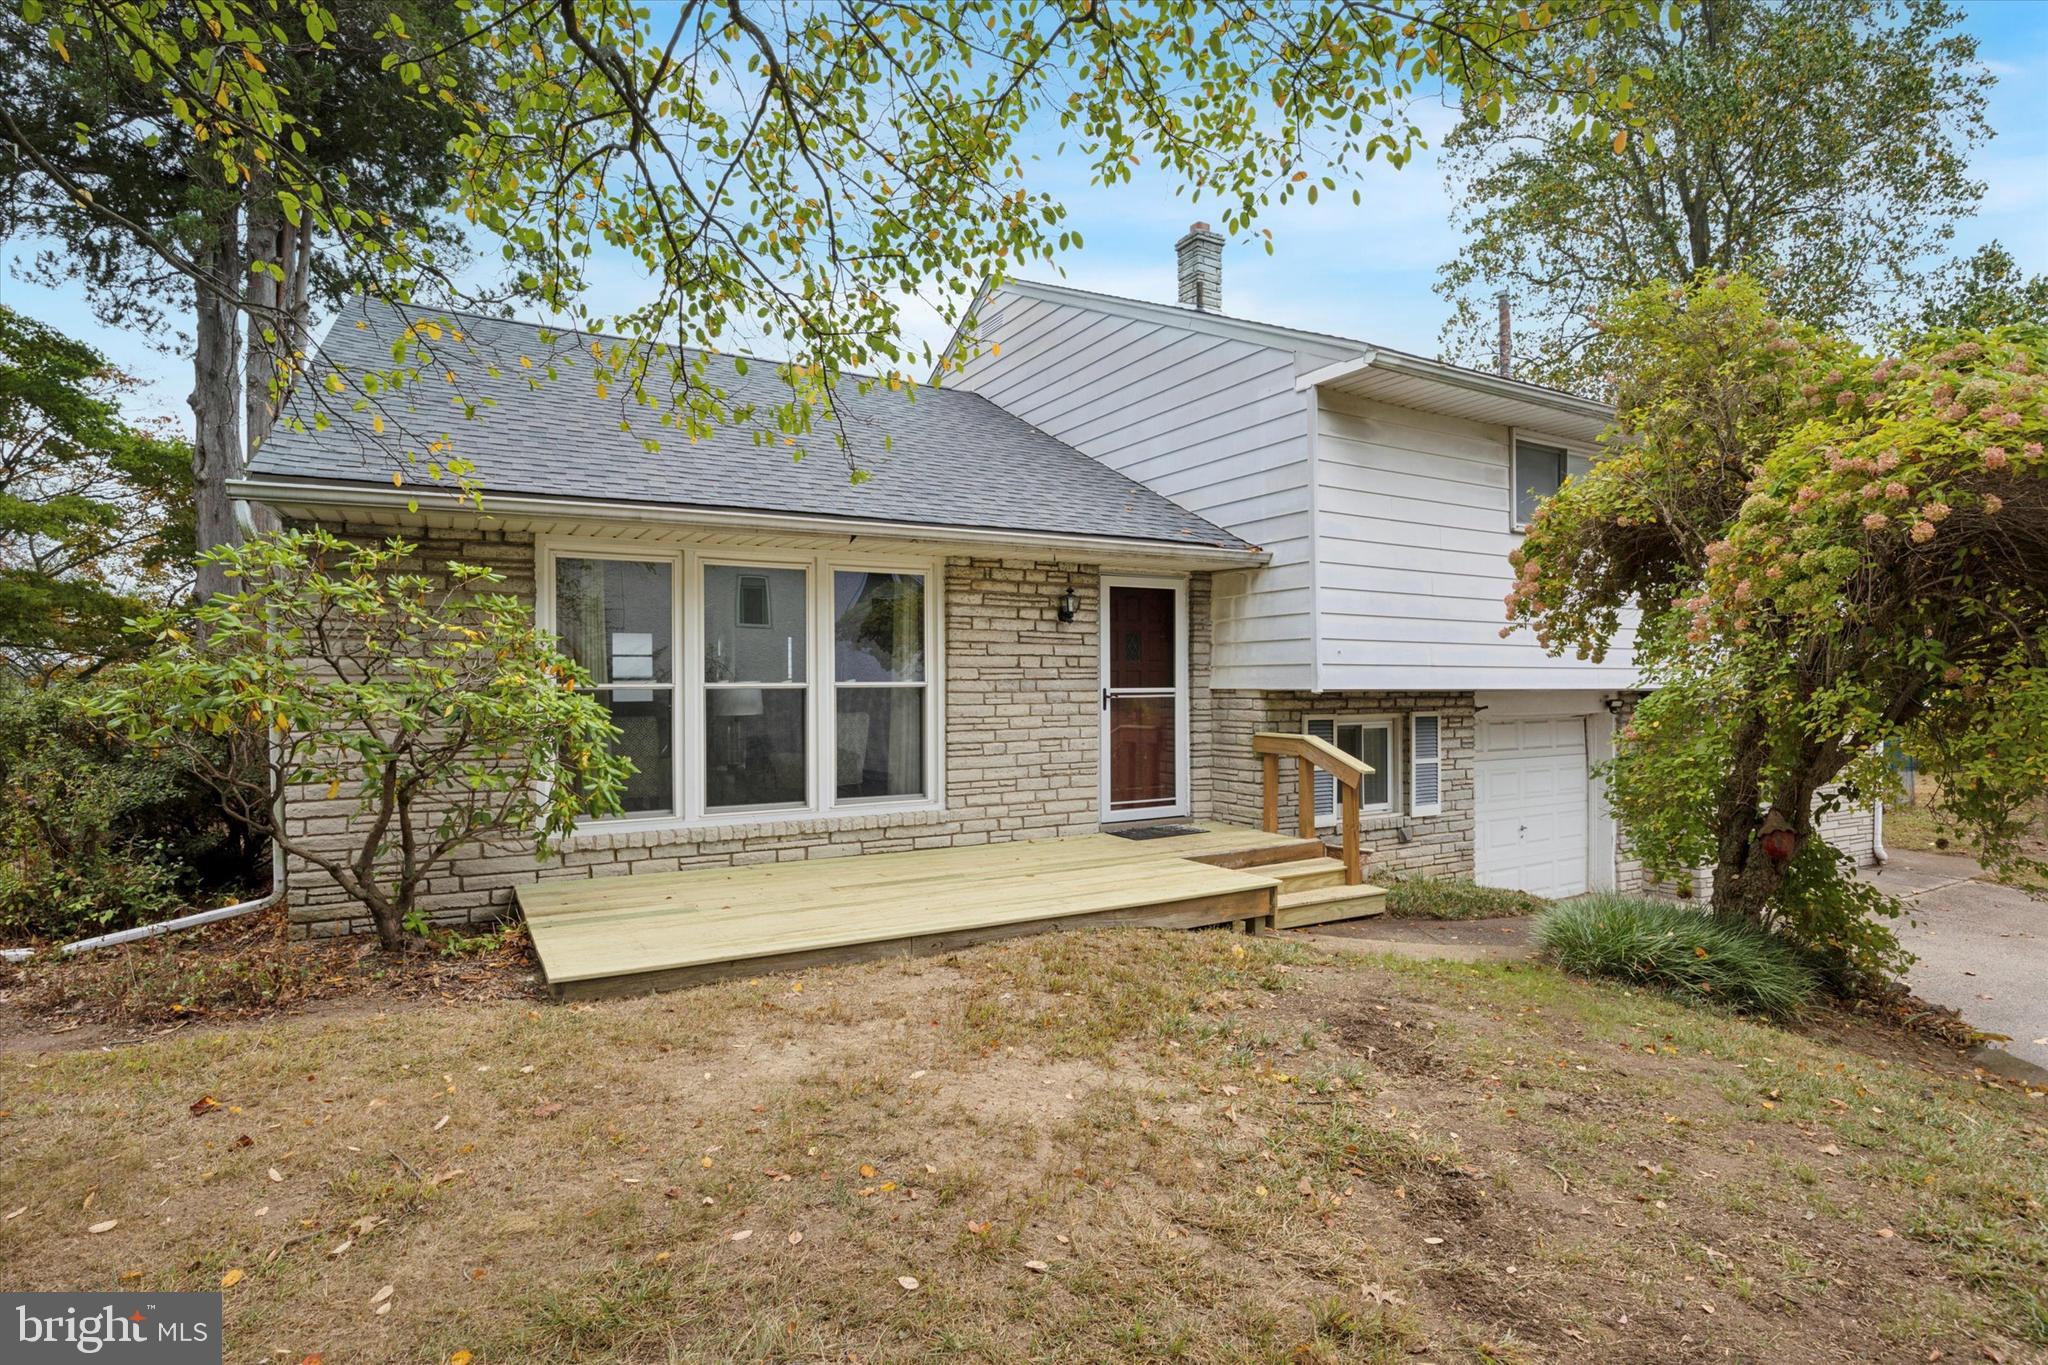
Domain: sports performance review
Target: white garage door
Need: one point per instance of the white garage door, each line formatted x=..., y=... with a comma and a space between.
x=1531, y=795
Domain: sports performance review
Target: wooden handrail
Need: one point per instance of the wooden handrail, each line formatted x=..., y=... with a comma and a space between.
x=1309, y=754
x=1320, y=752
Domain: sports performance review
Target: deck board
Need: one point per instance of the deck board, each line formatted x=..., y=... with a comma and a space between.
x=610, y=934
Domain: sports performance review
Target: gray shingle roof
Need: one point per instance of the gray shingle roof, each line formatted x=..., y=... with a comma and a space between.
x=948, y=458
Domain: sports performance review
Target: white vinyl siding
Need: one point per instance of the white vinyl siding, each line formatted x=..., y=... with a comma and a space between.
x=1414, y=535
x=1211, y=421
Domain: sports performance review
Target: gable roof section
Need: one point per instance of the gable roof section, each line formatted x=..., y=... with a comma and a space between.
x=1347, y=365
x=934, y=457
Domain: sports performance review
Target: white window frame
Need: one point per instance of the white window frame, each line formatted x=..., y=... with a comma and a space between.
x=687, y=563
x=1392, y=725
x=1517, y=438
x=544, y=617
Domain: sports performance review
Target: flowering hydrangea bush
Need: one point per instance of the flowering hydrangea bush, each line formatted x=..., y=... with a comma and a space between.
x=1817, y=552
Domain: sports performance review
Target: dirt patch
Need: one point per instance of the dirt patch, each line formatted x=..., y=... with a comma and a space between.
x=244, y=971
x=1405, y=1046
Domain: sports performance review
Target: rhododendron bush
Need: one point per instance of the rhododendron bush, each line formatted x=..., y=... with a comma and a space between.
x=1817, y=551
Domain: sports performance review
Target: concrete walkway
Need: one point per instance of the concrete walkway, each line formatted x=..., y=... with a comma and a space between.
x=1983, y=947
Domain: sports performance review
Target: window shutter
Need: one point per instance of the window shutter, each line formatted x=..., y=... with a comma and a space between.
x=1426, y=756
x=1326, y=785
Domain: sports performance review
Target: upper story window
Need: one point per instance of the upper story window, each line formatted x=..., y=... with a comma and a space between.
x=1538, y=472
x=810, y=691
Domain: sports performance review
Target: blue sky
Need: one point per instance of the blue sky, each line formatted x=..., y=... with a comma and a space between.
x=1360, y=271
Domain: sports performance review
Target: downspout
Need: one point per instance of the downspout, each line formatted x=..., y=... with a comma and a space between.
x=1315, y=548
x=245, y=522
x=1877, y=848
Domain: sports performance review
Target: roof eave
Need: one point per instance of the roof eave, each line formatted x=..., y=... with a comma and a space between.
x=1580, y=420
x=342, y=496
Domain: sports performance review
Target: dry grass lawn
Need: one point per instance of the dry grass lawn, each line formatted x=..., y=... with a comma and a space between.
x=1074, y=1148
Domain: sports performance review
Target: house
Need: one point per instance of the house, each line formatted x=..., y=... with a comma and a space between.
x=1079, y=579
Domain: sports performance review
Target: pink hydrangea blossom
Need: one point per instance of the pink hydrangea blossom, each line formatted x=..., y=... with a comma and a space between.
x=1876, y=521
x=1992, y=504
x=2032, y=450
x=1995, y=457
x=1936, y=511
x=1922, y=532
x=1897, y=491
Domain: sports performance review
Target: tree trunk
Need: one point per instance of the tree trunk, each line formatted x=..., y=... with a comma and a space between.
x=216, y=405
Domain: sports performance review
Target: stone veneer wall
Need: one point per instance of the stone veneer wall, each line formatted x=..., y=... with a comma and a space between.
x=1436, y=845
x=1022, y=733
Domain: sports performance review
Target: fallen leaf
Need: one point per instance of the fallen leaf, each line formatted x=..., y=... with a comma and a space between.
x=1829, y=1150
x=795, y=1237
x=205, y=1104
x=339, y=1247
x=909, y=1282
x=460, y=1358
x=1433, y=1241
x=232, y=1278
x=276, y=1174
x=386, y=1292
x=742, y=1235
x=546, y=1111
x=107, y=1226
x=442, y=1122
x=382, y=1309
x=16, y=1214
x=1886, y=1232
x=867, y=1172
x=1038, y=1266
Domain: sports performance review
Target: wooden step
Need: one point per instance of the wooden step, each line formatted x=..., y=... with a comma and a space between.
x=1295, y=909
x=1305, y=874
x=1285, y=851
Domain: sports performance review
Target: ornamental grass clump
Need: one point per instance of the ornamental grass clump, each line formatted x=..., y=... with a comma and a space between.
x=1696, y=956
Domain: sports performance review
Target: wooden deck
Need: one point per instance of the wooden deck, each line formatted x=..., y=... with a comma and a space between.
x=621, y=935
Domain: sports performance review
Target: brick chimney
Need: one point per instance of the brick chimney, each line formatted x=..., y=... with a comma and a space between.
x=1201, y=269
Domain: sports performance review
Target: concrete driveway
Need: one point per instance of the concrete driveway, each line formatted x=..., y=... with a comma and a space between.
x=1983, y=947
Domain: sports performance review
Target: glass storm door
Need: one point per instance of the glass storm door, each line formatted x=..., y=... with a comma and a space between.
x=1144, y=701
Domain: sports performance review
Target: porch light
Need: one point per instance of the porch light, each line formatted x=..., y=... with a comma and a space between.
x=1070, y=603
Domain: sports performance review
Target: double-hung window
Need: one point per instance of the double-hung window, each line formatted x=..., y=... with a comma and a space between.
x=1370, y=740
x=811, y=688
x=616, y=617
x=878, y=673
x=1538, y=471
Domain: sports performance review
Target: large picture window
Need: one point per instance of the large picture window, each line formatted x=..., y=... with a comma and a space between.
x=813, y=689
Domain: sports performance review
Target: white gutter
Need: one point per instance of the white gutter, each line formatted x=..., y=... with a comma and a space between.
x=502, y=505
x=1877, y=848
x=192, y=921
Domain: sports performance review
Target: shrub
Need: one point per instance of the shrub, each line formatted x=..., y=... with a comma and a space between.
x=95, y=836
x=431, y=705
x=1696, y=956
x=1455, y=898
